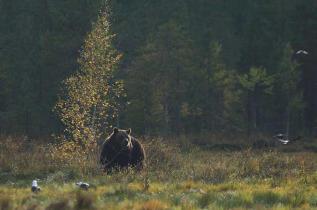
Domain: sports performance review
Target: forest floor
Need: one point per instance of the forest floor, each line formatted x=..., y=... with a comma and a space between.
x=196, y=178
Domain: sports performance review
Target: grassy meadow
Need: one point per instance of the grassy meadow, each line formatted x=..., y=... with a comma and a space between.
x=179, y=175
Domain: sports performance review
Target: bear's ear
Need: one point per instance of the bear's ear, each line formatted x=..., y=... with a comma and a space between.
x=115, y=130
x=129, y=131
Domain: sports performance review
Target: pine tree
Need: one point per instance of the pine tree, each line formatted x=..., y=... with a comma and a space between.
x=255, y=85
x=158, y=78
x=288, y=78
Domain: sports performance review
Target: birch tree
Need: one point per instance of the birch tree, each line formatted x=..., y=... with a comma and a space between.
x=88, y=99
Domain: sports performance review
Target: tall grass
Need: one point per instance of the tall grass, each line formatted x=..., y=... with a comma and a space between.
x=21, y=157
x=176, y=176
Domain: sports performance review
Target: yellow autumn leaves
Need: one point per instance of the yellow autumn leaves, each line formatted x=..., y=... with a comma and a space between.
x=88, y=100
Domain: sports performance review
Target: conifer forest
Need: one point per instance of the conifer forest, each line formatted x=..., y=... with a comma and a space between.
x=222, y=94
x=187, y=67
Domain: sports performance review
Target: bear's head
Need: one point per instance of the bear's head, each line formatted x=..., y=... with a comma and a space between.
x=122, y=139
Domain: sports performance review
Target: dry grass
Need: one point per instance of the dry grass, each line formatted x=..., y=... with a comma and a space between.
x=180, y=177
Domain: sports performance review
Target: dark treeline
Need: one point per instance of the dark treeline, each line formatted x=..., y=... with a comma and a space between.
x=188, y=66
x=39, y=43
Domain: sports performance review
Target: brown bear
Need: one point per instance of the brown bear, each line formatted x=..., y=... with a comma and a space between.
x=121, y=150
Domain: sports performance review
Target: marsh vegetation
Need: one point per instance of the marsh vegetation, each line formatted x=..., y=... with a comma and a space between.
x=177, y=177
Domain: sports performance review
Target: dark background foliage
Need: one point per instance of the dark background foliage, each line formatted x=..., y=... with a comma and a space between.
x=182, y=64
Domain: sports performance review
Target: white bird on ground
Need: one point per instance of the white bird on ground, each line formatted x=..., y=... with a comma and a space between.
x=301, y=52
x=280, y=137
x=35, y=187
x=83, y=185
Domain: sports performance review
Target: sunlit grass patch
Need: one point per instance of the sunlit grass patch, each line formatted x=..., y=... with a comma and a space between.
x=152, y=204
x=225, y=200
x=191, y=185
x=157, y=186
x=181, y=195
x=224, y=187
x=136, y=186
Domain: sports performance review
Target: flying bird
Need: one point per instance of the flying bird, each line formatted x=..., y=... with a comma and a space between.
x=83, y=185
x=301, y=52
x=280, y=137
x=35, y=187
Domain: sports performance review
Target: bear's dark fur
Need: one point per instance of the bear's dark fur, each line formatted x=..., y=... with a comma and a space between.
x=120, y=150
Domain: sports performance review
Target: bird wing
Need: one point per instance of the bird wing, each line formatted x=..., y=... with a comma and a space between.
x=297, y=138
x=301, y=52
x=286, y=141
x=283, y=141
x=82, y=184
x=279, y=136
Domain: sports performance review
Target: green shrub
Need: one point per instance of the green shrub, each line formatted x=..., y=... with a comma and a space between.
x=266, y=198
x=313, y=200
x=298, y=198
